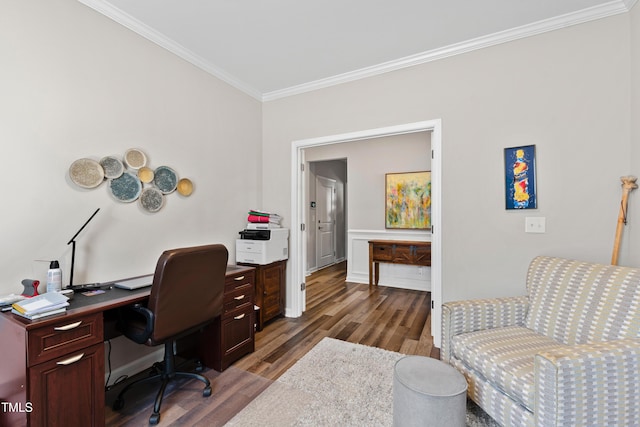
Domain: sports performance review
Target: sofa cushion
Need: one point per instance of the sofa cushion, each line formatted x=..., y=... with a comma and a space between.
x=576, y=302
x=505, y=357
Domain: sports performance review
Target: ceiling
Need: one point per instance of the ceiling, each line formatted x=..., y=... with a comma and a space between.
x=271, y=49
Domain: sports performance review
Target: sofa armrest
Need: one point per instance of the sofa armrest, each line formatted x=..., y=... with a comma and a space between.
x=459, y=317
x=588, y=384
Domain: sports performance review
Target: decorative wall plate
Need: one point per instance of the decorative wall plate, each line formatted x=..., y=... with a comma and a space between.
x=165, y=179
x=126, y=188
x=145, y=174
x=185, y=187
x=112, y=166
x=131, y=178
x=151, y=199
x=135, y=159
x=86, y=173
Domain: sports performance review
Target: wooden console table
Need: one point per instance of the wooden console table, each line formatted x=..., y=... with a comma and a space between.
x=396, y=252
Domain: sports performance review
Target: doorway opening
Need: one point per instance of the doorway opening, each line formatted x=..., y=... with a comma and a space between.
x=326, y=205
x=296, y=295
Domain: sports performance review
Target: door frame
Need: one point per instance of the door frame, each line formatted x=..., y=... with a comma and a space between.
x=296, y=295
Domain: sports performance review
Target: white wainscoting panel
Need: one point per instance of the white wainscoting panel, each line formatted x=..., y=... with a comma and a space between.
x=392, y=275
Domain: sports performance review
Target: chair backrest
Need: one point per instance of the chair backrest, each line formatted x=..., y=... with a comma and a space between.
x=187, y=290
x=577, y=302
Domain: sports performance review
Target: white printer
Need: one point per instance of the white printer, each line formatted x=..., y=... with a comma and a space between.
x=262, y=246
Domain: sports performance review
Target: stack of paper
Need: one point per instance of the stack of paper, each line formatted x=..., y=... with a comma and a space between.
x=270, y=220
x=41, y=305
x=8, y=300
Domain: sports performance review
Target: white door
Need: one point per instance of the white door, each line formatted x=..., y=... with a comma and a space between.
x=326, y=222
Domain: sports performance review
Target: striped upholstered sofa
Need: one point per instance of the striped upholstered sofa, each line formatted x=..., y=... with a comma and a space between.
x=566, y=354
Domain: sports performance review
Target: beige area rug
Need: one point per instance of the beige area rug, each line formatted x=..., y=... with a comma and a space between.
x=335, y=384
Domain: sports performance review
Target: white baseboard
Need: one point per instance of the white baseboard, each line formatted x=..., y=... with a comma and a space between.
x=398, y=276
x=391, y=275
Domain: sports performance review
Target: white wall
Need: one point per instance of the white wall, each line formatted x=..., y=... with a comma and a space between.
x=633, y=234
x=565, y=91
x=368, y=162
x=75, y=84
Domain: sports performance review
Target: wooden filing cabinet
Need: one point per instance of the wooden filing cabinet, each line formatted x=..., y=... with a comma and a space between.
x=270, y=290
x=63, y=371
x=233, y=333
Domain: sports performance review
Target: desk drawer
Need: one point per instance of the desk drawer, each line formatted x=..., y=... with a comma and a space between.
x=383, y=252
x=422, y=255
x=403, y=254
x=239, y=281
x=237, y=336
x=67, y=335
x=238, y=299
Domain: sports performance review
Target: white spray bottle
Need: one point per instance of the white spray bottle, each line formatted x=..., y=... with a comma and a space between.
x=54, y=277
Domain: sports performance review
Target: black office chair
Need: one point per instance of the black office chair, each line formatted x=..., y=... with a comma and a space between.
x=186, y=294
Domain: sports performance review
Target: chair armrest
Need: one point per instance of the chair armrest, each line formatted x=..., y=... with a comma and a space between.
x=136, y=322
x=588, y=384
x=459, y=317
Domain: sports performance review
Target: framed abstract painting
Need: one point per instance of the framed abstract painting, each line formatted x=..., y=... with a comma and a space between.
x=408, y=200
x=520, y=177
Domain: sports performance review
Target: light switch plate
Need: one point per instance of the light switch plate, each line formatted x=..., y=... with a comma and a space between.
x=535, y=224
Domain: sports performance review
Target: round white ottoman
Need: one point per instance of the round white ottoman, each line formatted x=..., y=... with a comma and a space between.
x=428, y=392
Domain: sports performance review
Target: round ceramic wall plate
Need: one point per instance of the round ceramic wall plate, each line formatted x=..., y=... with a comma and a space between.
x=135, y=158
x=86, y=173
x=151, y=199
x=185, y=187
x=126, y=188
x=112, y=166
x=165, y=179
x=145, y=174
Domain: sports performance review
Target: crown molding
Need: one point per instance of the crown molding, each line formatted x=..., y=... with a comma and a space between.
x=590, y=14
x=161, y=40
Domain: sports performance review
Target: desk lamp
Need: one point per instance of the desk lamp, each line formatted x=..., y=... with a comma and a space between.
x=72, y=242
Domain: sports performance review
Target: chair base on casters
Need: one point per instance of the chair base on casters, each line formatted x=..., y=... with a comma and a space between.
x=166, y=374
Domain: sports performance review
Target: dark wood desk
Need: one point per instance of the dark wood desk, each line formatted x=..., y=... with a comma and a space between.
x=52, y=369
x=396, y=252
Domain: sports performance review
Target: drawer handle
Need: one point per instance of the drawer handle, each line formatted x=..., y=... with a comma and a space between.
x=67, y=327
x=238, y=298
x=70, y=360
x=238, y=278
x=239, y=317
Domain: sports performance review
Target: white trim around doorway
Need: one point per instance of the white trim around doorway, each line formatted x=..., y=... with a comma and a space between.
x=296, y=295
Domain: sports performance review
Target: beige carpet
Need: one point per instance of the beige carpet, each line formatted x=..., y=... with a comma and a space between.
x=335, y=384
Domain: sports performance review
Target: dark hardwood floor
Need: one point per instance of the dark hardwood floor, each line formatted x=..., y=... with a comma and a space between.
x=389, y=318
